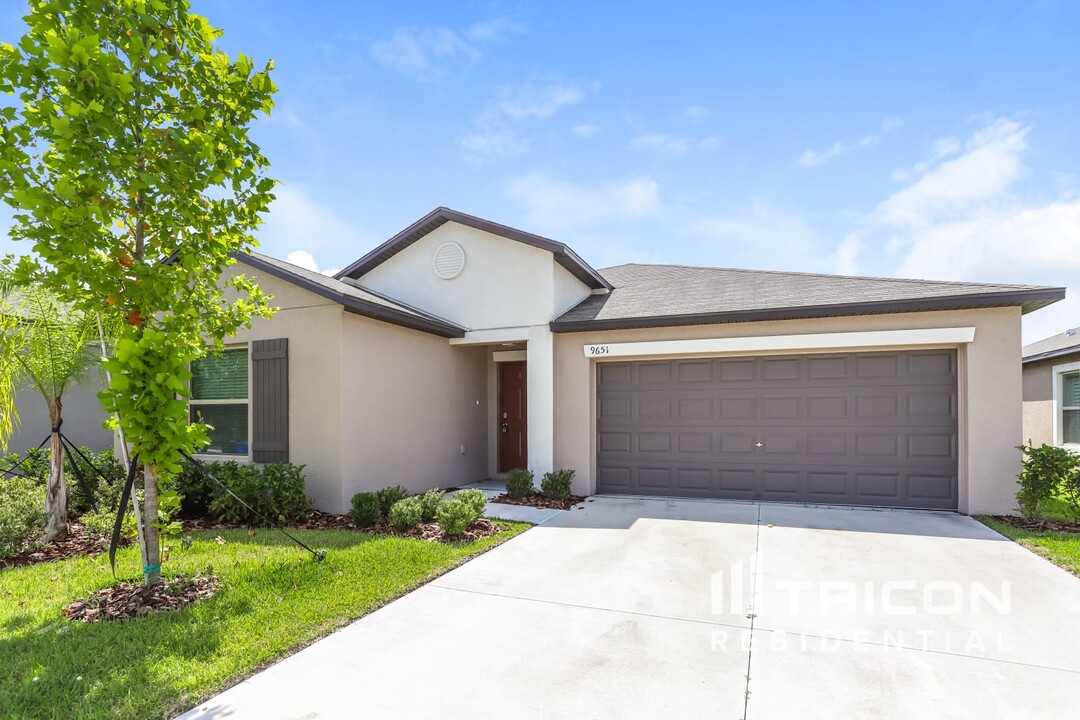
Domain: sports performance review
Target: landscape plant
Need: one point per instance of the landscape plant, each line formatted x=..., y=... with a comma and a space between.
x=474, y=498
x=454, y=516
x=429, y=502
x=388, y=496
x=406, y=514
x=1048, y=472
x=556, y=484
x=132, y=176
x=22, y=514
x=365, y=509
x=520, y=483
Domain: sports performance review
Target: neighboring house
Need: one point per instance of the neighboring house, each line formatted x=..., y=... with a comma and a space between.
x=460, y=349
x=83, y=418
x=1052, y=391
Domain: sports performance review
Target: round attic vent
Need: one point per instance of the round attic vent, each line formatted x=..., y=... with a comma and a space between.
x=449, y=260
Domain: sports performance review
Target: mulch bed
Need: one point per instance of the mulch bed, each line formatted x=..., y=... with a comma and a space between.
x=537, y=500
x=318, y=520
x=130, y=600
x=1038, y=525
x=77, y=541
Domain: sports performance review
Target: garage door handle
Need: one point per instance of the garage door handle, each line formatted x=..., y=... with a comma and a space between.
x=760, y=445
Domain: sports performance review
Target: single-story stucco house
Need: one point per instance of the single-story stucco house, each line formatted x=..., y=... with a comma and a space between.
x=1052, y=391
x=460, y=349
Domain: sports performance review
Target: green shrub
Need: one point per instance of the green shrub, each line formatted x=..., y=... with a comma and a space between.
x=429, y=502
x=474, y=498
x=100, y=523
x=388, y=496
x=106, y=489
x=365, y=509
x=274, y=491
x=1047, y=472
x=405, y=514
x=454, y=516
x=556, y=485
x=22, y=514
x=36, y=464
x=196, y=490
x=519, y=483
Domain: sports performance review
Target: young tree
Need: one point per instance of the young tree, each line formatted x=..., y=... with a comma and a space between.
x=51, y=348
x=132, y=174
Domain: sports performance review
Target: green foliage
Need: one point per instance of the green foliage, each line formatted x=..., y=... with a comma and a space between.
x=454, y=516
x=127, y=161
x=36, y=466
x=556, y=484
x=106, y=490
x=388, y=496
x=1047, y=472
x=429, y=503
x=22, y=514
x=195, y=489
x=406, y=514
x=519, y=483
x=365, y=509
x=275, y=491
x=101, y=522
x=474, y=498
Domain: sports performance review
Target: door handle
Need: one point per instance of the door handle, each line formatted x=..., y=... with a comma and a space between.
x=505, y=427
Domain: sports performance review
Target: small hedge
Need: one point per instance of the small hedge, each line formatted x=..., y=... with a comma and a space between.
x=275, y=491
x=520, y=483
x=429, y=503
x=1048, y=473
x=388, y=496
x=22, y=514
x=365, y=509
x=454, y=516
x=406, y=514
x=474, y=498
x=556, y=485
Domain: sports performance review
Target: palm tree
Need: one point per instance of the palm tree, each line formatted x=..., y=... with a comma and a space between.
x=47, y=347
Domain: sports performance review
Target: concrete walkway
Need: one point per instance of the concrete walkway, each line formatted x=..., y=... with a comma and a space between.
x=649, y=608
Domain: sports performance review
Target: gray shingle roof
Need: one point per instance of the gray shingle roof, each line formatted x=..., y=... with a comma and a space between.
x=651, y=295
x=355, y=299
x=1064, y=343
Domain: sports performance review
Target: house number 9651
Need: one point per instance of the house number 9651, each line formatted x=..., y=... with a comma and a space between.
x=599, y=350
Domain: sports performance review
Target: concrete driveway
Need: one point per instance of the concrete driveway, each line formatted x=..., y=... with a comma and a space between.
x=652, y=608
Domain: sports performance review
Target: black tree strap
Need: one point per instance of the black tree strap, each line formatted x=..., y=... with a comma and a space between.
x=118, y=525
x=319, y=555
x=84, y=483
x=11, y=470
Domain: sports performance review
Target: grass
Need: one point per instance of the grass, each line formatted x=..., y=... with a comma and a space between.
x=1061, y=548
x=275, y=599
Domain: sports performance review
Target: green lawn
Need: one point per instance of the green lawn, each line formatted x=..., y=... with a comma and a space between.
x=275, y=599
x=1059, y=547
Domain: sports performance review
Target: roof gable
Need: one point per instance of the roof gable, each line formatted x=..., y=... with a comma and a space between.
x=1065, y=343
x=564, y=256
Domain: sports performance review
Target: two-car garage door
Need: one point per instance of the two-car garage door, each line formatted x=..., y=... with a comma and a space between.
x=854, y=428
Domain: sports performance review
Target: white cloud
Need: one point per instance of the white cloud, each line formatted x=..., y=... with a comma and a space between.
x=963, y=220
x=585, y=130
x=495, y=30
x=817, y=158
x=424, y=53
x=297, y=220
x=695, y=113
x=548, y=202
x=520, y=102
x=846, y=257
x=487, y=143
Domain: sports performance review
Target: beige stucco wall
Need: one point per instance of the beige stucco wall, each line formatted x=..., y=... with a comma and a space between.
x=313, y=326
x=990, y=391
x=414, y=409
x=1039, y=399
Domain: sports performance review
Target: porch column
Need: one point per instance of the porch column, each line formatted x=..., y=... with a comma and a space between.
x=541, y=400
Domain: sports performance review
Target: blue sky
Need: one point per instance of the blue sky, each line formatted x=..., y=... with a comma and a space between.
x=937, y=139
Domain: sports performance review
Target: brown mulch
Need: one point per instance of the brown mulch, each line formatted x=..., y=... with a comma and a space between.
x=76, y=542
x=318, y=520
x=1038, y=525
x=537, y=500
x=128, y=600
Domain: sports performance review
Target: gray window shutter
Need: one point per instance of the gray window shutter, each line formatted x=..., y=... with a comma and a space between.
x=270, y=400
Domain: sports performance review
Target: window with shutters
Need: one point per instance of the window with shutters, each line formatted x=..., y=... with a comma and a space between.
x=1067, y=404
x=220, y=391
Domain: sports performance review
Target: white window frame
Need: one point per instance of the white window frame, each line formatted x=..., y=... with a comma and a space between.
x=1058, y=373
x=211, y=457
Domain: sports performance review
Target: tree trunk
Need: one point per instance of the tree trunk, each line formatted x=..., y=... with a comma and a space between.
x=56, y=492
x=152, y=547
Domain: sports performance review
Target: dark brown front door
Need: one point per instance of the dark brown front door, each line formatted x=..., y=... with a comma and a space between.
x=513, y=450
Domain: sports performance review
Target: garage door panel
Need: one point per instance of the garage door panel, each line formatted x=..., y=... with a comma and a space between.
x=863, y=428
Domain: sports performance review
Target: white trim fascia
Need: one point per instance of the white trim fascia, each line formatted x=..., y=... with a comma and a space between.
x=816, y=342
x=1055, y=378
x=510, y=356
x=493, y=336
